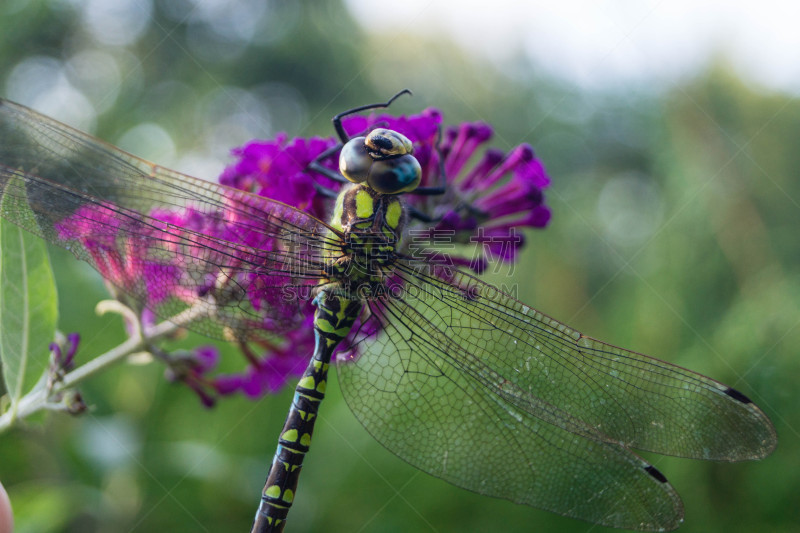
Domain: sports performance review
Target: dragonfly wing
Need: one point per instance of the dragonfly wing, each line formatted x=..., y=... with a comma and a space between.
x=636, y=400
x=416, y=398
x=470, y=385
x=166, y=239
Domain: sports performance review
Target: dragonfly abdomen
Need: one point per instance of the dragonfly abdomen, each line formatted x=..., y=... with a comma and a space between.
x=333, y=320
x=371, y=224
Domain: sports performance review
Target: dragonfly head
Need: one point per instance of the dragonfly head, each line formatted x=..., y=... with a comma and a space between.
x=382, y=160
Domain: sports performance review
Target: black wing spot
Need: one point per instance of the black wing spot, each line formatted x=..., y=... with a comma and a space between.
x=653, y=471
x=736, y=395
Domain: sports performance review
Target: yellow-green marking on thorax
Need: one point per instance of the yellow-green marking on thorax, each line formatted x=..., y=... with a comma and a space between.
x=365, y=203
x=394, y=213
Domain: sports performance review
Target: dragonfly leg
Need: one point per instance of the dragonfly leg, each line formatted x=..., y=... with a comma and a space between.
x=325, y=171
x=325, y=191
x=428, y=191
x=425, y=218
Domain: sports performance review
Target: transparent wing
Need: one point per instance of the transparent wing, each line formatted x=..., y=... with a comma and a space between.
x=166, y=239
x=470, y=385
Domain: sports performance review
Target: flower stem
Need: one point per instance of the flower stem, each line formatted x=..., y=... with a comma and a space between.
x=38, y=399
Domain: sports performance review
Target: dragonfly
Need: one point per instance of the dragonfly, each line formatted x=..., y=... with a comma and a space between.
x=450, y=373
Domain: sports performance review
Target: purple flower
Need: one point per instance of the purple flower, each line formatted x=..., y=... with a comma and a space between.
x=486, y=202
x=269, y=373
x=190, y=368
x=62, y=363
x=489, y=197
x=277, y=169
x=497, y=195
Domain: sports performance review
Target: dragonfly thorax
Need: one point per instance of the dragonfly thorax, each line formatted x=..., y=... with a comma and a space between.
x=372, y=225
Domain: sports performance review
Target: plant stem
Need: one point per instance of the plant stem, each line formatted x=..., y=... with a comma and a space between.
x=37, y=399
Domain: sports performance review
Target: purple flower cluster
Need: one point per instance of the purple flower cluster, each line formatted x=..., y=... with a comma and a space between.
x=277, y=170
x=488, y=196
x=97, y=228
x=497, y=194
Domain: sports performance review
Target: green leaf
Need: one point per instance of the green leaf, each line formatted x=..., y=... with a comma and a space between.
x=28, y=298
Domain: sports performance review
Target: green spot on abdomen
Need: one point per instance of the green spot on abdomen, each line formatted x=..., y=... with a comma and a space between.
x=324, y=325
x=307, y=383
x=290, y=436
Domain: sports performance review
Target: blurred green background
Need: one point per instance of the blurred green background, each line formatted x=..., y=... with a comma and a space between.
x=675, y=199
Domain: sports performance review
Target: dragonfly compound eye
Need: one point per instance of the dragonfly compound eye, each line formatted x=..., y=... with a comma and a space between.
x=384, y=144
x=383, y=160
x=396, y=175
x=355, y=161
